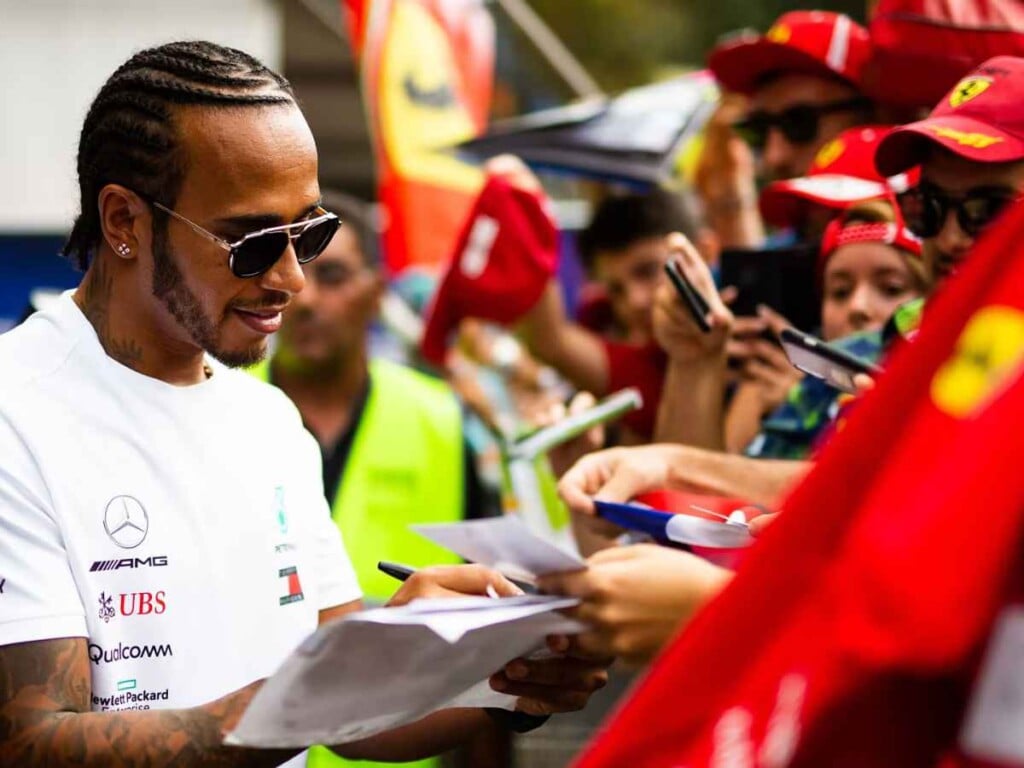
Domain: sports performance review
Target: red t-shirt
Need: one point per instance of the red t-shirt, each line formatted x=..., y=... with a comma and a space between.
x=642, y=367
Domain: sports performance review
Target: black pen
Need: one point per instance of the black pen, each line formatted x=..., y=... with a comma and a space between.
x=403, y=572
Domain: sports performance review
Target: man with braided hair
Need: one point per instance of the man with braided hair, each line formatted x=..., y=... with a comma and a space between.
x=164, y=539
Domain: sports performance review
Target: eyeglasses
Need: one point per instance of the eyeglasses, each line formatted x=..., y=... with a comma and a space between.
x=799, y=124
x=258, y=251
x=926, y=207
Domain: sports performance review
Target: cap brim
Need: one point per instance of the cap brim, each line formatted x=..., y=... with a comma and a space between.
x=743, y=65
x=971, y=139
x=784, y=203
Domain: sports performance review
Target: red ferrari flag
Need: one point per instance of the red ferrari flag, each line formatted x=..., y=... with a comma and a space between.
x=426, y=70
x=853, y=632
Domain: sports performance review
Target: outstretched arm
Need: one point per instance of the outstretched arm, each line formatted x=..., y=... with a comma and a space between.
x=566, y=346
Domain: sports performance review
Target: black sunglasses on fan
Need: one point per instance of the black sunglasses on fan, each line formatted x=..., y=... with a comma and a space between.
x=926, y=207
x=256, y=252
x=799, y=123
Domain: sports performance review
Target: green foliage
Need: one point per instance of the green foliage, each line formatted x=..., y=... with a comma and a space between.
x=623, y=43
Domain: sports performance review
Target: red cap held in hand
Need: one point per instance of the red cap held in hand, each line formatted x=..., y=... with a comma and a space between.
x=506, y=253
x=807, y=42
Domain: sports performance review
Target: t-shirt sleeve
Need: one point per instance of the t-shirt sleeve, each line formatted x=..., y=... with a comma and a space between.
x=38, y=596
x=334, y=576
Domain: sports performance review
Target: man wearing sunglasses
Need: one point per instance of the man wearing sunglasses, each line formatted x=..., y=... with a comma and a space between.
x=971, y=152
x=164, y=539
x=802, y=83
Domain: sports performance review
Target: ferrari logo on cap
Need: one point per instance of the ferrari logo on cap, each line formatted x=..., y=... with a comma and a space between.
x=780, y=34
x=829, y=153
x=975, y=140
x=988, y=354
x=968, y=89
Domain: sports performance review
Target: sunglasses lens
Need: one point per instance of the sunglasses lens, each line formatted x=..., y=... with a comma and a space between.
x=753, y=130
x=799, y=124
x=922, y=212
x=976, y=213
x=257, y=254
x=312, y=242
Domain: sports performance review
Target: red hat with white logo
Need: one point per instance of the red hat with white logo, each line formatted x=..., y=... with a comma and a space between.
x=807, y=42
x=981, y=119
x=505, y=256
x=842, y=174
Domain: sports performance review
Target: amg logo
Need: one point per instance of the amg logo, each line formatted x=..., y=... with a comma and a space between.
x=129, y=562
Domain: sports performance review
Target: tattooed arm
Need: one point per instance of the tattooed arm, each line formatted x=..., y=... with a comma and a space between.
x=45, y=719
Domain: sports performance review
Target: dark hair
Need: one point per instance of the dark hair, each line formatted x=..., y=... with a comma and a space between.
x=620, y=221
x=357, y=216
x=129, y=135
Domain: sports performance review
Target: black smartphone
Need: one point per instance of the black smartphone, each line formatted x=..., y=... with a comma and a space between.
x=689, y=295
x=784, y=279
x=817, y=358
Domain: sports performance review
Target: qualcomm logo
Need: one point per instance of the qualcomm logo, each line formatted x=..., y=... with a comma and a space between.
x=125, y=522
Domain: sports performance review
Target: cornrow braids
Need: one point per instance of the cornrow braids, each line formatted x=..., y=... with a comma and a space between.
x=129, y=135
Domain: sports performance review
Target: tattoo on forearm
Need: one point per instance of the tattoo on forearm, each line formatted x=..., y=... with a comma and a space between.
x=45, y=720
x=96, y=296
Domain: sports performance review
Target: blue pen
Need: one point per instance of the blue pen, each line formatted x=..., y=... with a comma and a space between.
x=667, y=527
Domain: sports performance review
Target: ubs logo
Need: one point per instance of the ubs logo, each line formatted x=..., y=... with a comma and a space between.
x=125, y=521
x=132, y=604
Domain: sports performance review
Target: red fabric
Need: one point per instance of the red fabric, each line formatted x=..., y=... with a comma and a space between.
x=843, y=173
x=594, y=310
x=813, y=42
x=426, y=72
x=643, y=367
x=869, y=600
x=505, y=256
x=980, y=119
x=920, y=48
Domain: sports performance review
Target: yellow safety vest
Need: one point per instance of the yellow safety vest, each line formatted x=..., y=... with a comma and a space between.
x=405, y=467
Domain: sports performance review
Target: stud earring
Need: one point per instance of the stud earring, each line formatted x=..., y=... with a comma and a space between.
x=123, y=249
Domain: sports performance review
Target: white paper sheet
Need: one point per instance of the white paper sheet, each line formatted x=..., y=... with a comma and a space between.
x=375, y=670
x=502, y=543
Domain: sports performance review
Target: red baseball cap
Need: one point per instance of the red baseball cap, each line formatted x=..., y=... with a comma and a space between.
x=981, y=119
x=505, y=256
x=809, y=42
x=840, y=233
x=843, y=173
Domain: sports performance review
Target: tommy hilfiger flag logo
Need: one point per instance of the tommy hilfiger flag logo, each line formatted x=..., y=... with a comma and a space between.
x=294, y=586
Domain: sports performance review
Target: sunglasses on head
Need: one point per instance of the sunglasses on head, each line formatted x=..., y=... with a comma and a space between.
x=926, y=207
x=257, y=252
x=799, y=124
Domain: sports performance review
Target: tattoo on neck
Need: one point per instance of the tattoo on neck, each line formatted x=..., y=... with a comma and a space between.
x=96, y=297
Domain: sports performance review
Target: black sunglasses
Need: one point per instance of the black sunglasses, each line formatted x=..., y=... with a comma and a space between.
x=799, y=123
x=926, y=207
x=258, y=251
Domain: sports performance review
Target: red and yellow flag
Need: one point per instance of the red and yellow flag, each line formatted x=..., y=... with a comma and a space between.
x=851, y=635
x=426, y=69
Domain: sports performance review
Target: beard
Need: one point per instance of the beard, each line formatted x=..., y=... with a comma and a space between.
x=170, y=288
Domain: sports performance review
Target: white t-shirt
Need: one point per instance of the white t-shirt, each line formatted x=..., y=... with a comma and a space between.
x=182, y=530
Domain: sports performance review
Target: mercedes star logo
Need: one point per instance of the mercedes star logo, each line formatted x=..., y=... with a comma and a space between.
x=125, y=522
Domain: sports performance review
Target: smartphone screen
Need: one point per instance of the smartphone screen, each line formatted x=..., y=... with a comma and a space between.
x=816, y=358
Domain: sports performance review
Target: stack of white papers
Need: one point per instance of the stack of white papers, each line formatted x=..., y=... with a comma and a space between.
x=378, y=669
